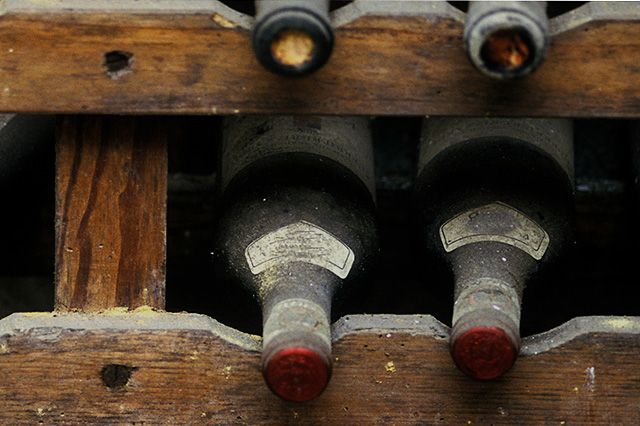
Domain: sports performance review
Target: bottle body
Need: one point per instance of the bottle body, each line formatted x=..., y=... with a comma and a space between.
x=506, y=39
x=298, y=224
x=292, y=37
x=495, y=197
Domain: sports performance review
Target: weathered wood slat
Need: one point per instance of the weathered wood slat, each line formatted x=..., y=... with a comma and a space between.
x=151, y=367
x=390, y=58
x=111, y=191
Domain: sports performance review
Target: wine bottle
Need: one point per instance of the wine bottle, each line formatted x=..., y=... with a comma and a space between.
x=505, y=39
x=298, y=224
x=292, y=37
x=496, y=202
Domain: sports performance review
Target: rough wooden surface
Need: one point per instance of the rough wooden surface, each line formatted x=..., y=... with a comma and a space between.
x=390, y=58
x=149, y=368
x=111, y=189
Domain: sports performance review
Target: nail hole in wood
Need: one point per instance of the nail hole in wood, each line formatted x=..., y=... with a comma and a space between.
x=118, y=63
x=116, y=376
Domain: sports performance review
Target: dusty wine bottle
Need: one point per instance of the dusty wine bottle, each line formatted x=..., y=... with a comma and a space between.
x=292, y=37
x=505, y=39
x=298, y=224
x=496, y=202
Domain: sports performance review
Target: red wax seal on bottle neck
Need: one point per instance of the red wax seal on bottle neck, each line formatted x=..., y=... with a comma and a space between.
x=484, y=353
x=296, y=374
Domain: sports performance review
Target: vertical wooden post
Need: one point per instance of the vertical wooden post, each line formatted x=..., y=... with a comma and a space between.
x=111, y=189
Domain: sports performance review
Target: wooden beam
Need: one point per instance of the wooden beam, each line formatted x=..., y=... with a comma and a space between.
x=111, y=185
x=390, y=58
x=147, y=367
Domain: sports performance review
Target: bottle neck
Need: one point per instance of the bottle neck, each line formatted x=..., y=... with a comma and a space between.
x=508, y=38
x=489, y=282
x=296, y=308
x=296, y=354
x=318, y=7
x=489, y=279
x=292, y=37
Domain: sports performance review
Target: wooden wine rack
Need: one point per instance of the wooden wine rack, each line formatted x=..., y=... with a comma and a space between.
x=98, y=359
x=390, y=58
x=145, y=367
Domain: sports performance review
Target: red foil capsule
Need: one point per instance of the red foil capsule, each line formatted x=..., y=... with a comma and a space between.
x=296, y=374
x=484, y=353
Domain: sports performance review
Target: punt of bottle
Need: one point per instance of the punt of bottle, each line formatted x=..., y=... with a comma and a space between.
x=496, y=202
x=292, y=37
x=506, y=39
x=298, y=224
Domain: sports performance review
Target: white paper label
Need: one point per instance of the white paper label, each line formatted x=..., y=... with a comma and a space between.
x=300, y=242
x=495, y=222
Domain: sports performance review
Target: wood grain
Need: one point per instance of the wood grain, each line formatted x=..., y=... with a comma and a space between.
x=390, y=58
x=111, y=186
x=188, y=369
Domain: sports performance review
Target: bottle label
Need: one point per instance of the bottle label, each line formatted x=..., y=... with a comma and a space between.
x=495, y=222
x=300, y=242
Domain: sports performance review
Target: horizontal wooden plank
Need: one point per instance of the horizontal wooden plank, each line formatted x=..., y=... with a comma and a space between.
x=390, y=58
x=153, y=367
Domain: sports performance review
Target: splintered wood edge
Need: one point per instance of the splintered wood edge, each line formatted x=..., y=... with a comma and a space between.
x=426, y=325
x=593, y=12
x=144, y=319
x=230, y=18
x=118, y=320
